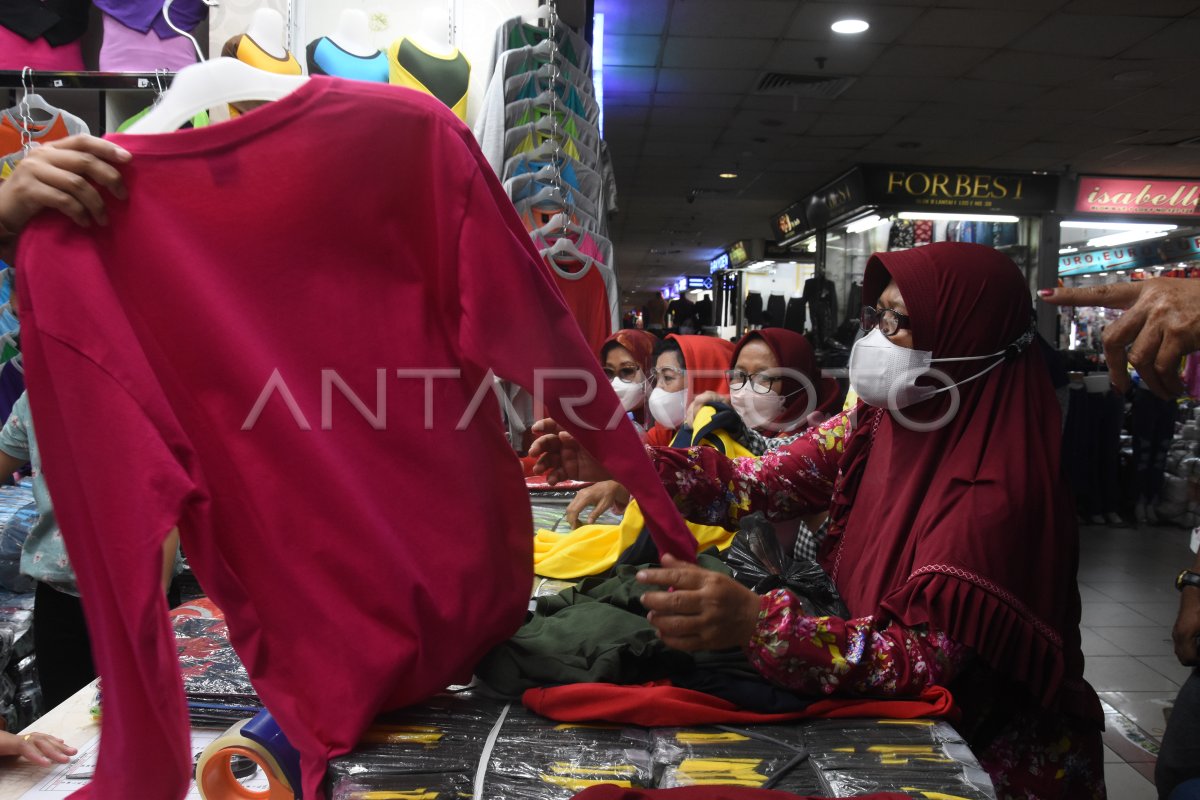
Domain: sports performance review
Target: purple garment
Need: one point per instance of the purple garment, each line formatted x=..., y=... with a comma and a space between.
x=12, y=385
x=1191, y=376
x=142, y=15
x=127, y=50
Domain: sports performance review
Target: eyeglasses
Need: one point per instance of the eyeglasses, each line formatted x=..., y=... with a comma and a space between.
x=888, y=320
x=759, y=383
x=627, y=373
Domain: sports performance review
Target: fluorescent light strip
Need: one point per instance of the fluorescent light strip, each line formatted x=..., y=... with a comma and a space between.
x=1128, y=237
x=598, y=67
x=864, y=224
x=1116, y=226
x=954, y=216
x=1064, y=250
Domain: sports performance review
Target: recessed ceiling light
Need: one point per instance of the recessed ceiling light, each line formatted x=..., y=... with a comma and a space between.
x=850, y=26
x=728, y=175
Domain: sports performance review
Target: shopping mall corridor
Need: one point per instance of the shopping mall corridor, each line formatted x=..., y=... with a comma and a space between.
x=1126, y=580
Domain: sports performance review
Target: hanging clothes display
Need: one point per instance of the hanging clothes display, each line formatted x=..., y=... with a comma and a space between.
x=821, y=297
x=446, y=77
x=516, y=33
x=754, y=309
x=325, y=57
x=147, y=15
x=776, y=311
x=248, y=459
x=42, y=34
x=32, y=121
x=795, y=317
x=126, y=49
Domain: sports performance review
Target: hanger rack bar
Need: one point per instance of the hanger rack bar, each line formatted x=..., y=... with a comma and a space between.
x=104, y=81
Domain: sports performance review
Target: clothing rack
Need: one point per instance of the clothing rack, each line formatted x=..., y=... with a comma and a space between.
x=100, y=82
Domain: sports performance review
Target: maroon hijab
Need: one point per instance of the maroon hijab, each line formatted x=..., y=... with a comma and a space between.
x=967, y=528
x=640, y=345
x=793, y=351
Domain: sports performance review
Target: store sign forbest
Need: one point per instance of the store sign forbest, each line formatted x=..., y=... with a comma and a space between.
x=1129, y=257
x=1165, y=197
x=917, y=188
x=719, y=263
x=789, y=223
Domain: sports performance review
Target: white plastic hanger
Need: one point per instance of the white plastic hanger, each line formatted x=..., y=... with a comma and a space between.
x=166, y=12
x=199, y=87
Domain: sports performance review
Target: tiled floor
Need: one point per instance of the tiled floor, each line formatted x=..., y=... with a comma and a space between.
x=1129, y=606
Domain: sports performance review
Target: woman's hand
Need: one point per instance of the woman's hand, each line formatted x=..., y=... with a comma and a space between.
x=702, y=610
x=40, y=748
x=1160, y=326
x=561, y=458
x=64, y=176
x=703, y=400
x=601, y=497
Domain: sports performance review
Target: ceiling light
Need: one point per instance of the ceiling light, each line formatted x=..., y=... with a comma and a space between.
x=1117, y=226
x=1120, y=272
x=728, y=175
x=953, y=216
x=864, y=224
x=1064, y=250
x=1128, y=237
x=849, y=26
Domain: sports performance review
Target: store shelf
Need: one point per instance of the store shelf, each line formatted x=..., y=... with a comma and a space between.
x=94, y=81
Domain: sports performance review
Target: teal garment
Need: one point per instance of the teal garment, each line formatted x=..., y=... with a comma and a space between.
x=595, y=632
x=44, y=555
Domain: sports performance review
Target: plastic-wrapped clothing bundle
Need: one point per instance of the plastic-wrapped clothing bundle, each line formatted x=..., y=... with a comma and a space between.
x=215, y=682
x=858, y=756
x=720, y=756
x=18, y=513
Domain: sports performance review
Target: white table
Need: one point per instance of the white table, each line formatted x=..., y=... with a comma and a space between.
x=70, y=721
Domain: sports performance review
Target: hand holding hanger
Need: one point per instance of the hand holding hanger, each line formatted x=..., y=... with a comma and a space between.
x=65, y=176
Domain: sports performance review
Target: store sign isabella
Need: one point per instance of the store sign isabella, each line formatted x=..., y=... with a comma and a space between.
x=1155, y=196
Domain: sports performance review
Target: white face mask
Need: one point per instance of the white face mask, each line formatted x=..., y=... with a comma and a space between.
x=631, y=394
x=668, y=408
x=756, y=410
x=884, y=374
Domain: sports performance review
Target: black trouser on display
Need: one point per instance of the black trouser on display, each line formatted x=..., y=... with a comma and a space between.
x=1153, y=429
x=60, y=641
x=1179, y=757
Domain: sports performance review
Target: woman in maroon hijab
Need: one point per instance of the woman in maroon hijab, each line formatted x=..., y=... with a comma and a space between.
x=952, y=537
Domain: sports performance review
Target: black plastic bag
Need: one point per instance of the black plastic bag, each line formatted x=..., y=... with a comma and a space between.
x=759, y=563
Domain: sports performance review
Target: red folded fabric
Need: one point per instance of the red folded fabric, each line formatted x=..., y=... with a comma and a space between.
x=611, y=792
x=659, y=704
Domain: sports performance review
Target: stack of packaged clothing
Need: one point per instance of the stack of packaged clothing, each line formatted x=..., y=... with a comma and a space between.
x=20, y=692
x=463, y=743
x=859, y=756
x=215, y=682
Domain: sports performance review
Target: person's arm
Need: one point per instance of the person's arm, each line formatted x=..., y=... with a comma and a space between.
x=170, y=547
x=1186, y=632
x=9, y=464
x=705, y=610
x=40, y=748
x=784, y=483
x=66, y=176
x=1160, y=326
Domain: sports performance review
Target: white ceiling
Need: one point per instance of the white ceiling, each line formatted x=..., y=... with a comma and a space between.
x=1012, y=84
